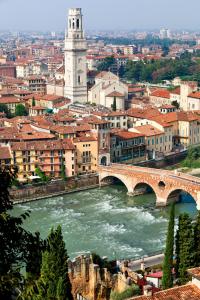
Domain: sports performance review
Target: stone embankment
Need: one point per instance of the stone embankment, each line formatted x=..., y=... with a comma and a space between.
x=35, y=192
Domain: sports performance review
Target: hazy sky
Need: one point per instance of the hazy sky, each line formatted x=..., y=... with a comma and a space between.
x=100, y=14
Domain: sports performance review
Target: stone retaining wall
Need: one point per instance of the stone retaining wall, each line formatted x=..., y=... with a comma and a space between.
x=54, y=188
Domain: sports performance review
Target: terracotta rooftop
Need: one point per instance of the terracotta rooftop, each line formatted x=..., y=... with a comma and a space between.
x=5, y=100
x=143, y=113
x=185, y=292
x=195, y=272
x=5, y=152
x=195, y=95
x=167, y=106
x=44, y=145
x=180, y=116
x=116, y=113
x=148, y=130
x=127, y=135
x=83, y=139
x=51, y=97
x=161, y=93
x=115, y=94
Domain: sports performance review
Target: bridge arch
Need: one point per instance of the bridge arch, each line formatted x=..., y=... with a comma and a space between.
x=108, y=178
x=143, y=187
x=174, y=195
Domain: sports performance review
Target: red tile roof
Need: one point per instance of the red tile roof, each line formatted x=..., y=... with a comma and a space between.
x=127, y=135
x=7, y=100
x=185, y=292
x=44, y=145
x=148, y=130
x=195, y=95
x=5, y=153
x=115, y=94
x=83, y=139
x=161, y=93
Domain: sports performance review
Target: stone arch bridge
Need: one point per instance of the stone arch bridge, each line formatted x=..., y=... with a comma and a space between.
x=167, y=185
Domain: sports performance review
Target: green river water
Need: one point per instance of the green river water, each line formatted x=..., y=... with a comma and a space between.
x=104, y=220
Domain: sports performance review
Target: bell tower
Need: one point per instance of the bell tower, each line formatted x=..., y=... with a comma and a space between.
x=75, y=58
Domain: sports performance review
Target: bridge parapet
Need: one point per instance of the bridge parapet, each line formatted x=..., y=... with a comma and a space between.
x=166, y=184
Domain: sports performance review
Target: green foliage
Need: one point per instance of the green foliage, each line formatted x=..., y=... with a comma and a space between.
x=12, y=238
x=159, y=70
x=185, y=251
x=106, y=64
x=134, y=290
x=193, y=158
x=197, y=240
x=176, y=104
x=7, y=177
x=34, y=248
x=33, y=101
x=114, y=106
x=165, y=50
x=54, y=282
x=63, y=171
x=20, y=110
x=4, y=109
x=41, y=174
x=167, y=280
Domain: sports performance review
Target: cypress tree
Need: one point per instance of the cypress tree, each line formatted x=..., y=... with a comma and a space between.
x=185, y=252
x=54, y=282
x=197, y=240
x=33, y=101
x=167, y=280
x=114, y=106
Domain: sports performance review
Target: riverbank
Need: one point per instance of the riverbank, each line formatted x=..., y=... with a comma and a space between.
x=53, y=189
x=20, y=201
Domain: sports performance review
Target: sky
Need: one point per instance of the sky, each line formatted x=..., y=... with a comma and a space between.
x=50, y=15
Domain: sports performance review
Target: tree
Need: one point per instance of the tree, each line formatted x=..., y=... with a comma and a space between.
x=20, y=110
x=63, y=171
x=167, y=280
x=41, y=174
x=114, y=106
x=33, y=101
x=197, y=240
x=54, y=282
x=106, y=64
x=33, y=256
x=176, y=104
x=4, y=109
x=185, y=252
x=12, y=238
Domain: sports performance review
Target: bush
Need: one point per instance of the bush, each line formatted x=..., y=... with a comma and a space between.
x=193, y=158
x=134, y=290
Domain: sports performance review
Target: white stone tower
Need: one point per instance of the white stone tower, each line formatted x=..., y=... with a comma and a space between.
x=75, y=58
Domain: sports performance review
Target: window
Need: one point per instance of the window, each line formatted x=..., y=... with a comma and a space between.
x=77, y=23
x=79, y=79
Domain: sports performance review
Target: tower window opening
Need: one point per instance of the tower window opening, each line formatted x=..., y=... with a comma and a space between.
x=73, y=25
x=77, y=23
x=79, y=79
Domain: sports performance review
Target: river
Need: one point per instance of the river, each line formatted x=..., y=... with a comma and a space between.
x=104, y=220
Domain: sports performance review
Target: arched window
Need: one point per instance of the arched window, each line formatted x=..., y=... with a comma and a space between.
x=77, y=23
x=73, y=25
